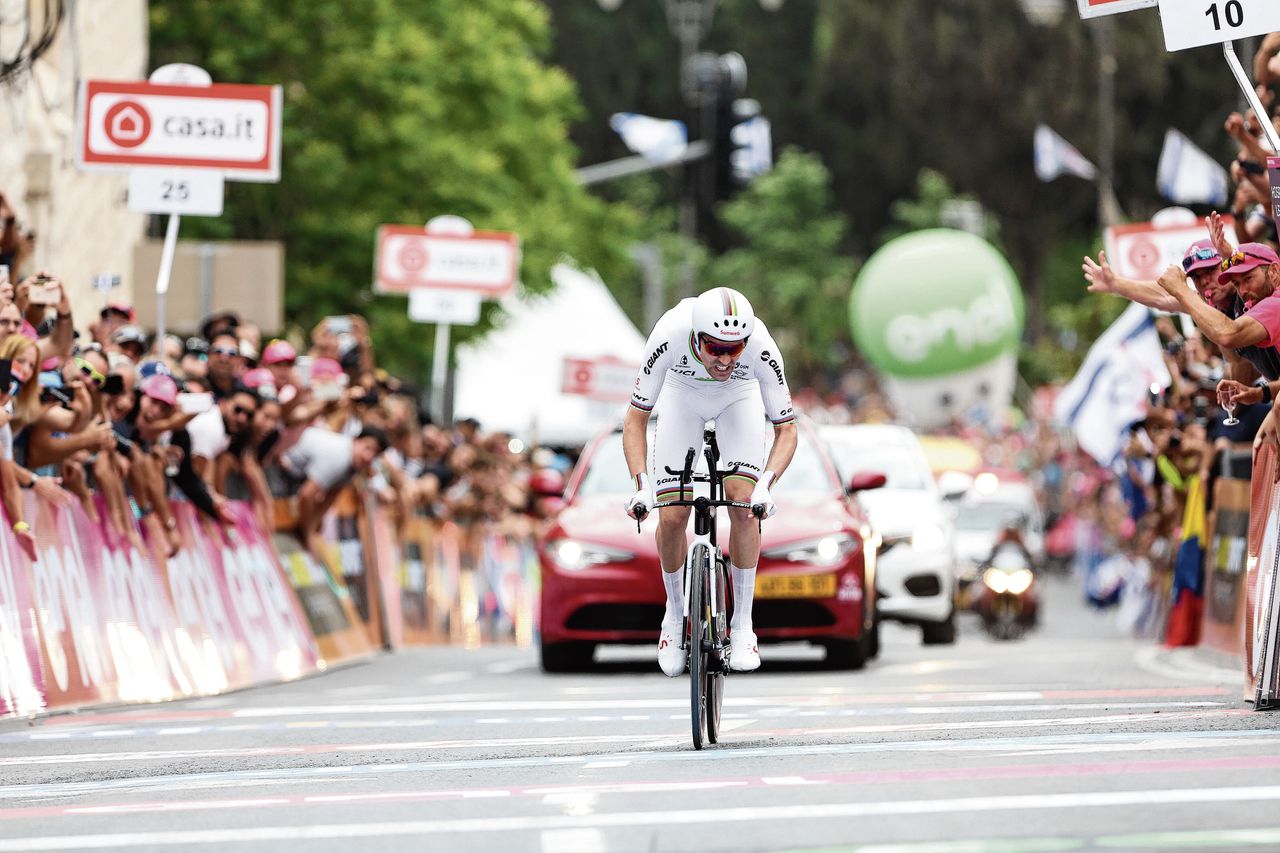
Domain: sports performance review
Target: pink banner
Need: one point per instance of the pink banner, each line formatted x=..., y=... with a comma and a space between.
x=104, y=618
x=21, y=678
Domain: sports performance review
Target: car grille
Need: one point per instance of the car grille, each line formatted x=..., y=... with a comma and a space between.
x=616, y=617
x=923, y=585
x=790, y=614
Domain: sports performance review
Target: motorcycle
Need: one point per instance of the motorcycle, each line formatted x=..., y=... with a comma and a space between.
x=1008, y=602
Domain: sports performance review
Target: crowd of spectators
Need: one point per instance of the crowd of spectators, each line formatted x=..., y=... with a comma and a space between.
x=107, y=416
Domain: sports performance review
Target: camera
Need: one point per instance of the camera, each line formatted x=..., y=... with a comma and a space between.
x=56, y=395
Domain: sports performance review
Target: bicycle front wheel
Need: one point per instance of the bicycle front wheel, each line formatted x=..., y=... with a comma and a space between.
x=698, y=571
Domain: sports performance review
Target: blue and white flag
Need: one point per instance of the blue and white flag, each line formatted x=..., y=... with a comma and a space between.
x=1187, y=175
x=1109, y=392
x=655, y=139
x=1056, y=156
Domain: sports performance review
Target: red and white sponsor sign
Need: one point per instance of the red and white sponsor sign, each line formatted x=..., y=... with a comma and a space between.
x=607, y=379
x=1143, y=251
x=1098, y=8
x=409, y=258
x=234, y=129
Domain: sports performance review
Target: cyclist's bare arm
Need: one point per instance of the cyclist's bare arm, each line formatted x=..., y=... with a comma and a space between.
x=784, y=448
x=635, y=444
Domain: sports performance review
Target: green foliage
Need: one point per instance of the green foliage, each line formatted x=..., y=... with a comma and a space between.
x=789, y=264
x=393, y=113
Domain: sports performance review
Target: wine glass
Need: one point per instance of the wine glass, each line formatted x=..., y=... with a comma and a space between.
x=1231, y=419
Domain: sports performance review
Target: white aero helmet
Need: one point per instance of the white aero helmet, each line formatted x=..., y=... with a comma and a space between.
x=723, y=314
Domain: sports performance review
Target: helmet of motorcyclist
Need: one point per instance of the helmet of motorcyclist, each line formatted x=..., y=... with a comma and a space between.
x=724, y=314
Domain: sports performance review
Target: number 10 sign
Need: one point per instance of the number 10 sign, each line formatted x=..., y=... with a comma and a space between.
x=1195, y=23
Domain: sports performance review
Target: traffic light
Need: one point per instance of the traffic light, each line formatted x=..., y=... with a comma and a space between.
x=743, y=144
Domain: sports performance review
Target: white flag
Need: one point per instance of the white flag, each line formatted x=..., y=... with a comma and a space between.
x=1187, y=175
x=656, y=140
x=1056, y=156
x=1110, y=390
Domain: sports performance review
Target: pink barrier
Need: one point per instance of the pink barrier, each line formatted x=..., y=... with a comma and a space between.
x=104, y=618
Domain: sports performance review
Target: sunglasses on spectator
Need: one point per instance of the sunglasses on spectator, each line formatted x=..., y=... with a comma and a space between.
x=242, y=411
x=717, y=348
x=1238, y=257
x=1200, y=255
x=90, y=373
x=225, y=351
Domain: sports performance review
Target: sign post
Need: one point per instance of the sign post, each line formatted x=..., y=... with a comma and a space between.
x=179, y=136
x=1188, y=23
x=446, y=268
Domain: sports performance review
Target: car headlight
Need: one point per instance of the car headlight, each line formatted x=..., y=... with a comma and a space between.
x=572, y=555
x=996, y=580
x=928, y=537
x=827, y=551
x=1020, y=581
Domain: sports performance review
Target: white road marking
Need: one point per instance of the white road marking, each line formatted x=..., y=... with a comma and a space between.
x=777, y=815
x=655, y=754
x=572, y=841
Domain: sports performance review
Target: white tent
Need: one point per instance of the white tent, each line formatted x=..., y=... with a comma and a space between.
x=511, y=379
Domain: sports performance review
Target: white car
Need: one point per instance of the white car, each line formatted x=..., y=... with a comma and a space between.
x=915, y=566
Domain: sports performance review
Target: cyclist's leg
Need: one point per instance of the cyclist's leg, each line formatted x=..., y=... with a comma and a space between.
x=679, y=428
x=741, y=433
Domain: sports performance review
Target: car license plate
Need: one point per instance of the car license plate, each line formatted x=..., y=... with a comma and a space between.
x=796, y=586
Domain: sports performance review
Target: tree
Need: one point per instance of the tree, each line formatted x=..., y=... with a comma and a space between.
x=789, y=263
x=394, y=113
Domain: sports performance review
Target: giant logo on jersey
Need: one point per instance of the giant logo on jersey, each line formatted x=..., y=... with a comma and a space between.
x=653, y=358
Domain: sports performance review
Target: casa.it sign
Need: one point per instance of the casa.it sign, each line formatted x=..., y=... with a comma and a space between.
x=233, y=129
x=1098, y=8
x=409, y=258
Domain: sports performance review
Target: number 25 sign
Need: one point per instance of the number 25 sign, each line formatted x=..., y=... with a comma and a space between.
x=1195, y=23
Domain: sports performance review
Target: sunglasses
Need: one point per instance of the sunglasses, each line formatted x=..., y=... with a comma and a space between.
x=1199, y=255
x=225, y=351
x=1238, y=258
x=717, y=348
x=242, y=411
x=88, y=371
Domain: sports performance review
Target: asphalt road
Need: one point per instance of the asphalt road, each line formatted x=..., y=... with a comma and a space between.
x=1073, y=738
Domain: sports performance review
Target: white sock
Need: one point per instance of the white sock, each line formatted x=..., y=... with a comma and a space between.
x=744, y=591
x=674, y=582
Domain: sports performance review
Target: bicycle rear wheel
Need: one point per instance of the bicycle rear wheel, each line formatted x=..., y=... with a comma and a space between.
x=698, y=570
x=717, y=583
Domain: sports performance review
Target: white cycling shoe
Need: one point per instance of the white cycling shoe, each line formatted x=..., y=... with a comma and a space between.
x=744, y=655
x=671, y=657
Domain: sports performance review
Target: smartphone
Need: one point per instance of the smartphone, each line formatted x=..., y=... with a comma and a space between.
x=302, y=369
x=194, y=404
x=327, y=390
x=44, y=293
x=4, y=273
x=338, y=325
x=6, y=378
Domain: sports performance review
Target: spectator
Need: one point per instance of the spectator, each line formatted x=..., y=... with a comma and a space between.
x=225, y=364
x=320, y=463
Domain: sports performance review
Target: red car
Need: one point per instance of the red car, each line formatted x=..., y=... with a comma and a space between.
x=601, y=582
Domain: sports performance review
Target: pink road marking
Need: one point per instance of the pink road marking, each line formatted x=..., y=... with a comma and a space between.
x=958, y=774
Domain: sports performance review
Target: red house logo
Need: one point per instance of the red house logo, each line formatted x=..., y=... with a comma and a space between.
x=128, y=124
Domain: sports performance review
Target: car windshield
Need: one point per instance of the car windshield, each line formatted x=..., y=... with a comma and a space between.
x=989, y=515
x=608, y=472
x=902, y=468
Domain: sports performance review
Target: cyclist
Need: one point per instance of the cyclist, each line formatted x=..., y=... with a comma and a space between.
x=710, y=359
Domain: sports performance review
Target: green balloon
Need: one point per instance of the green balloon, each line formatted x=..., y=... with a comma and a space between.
x=935, y=302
